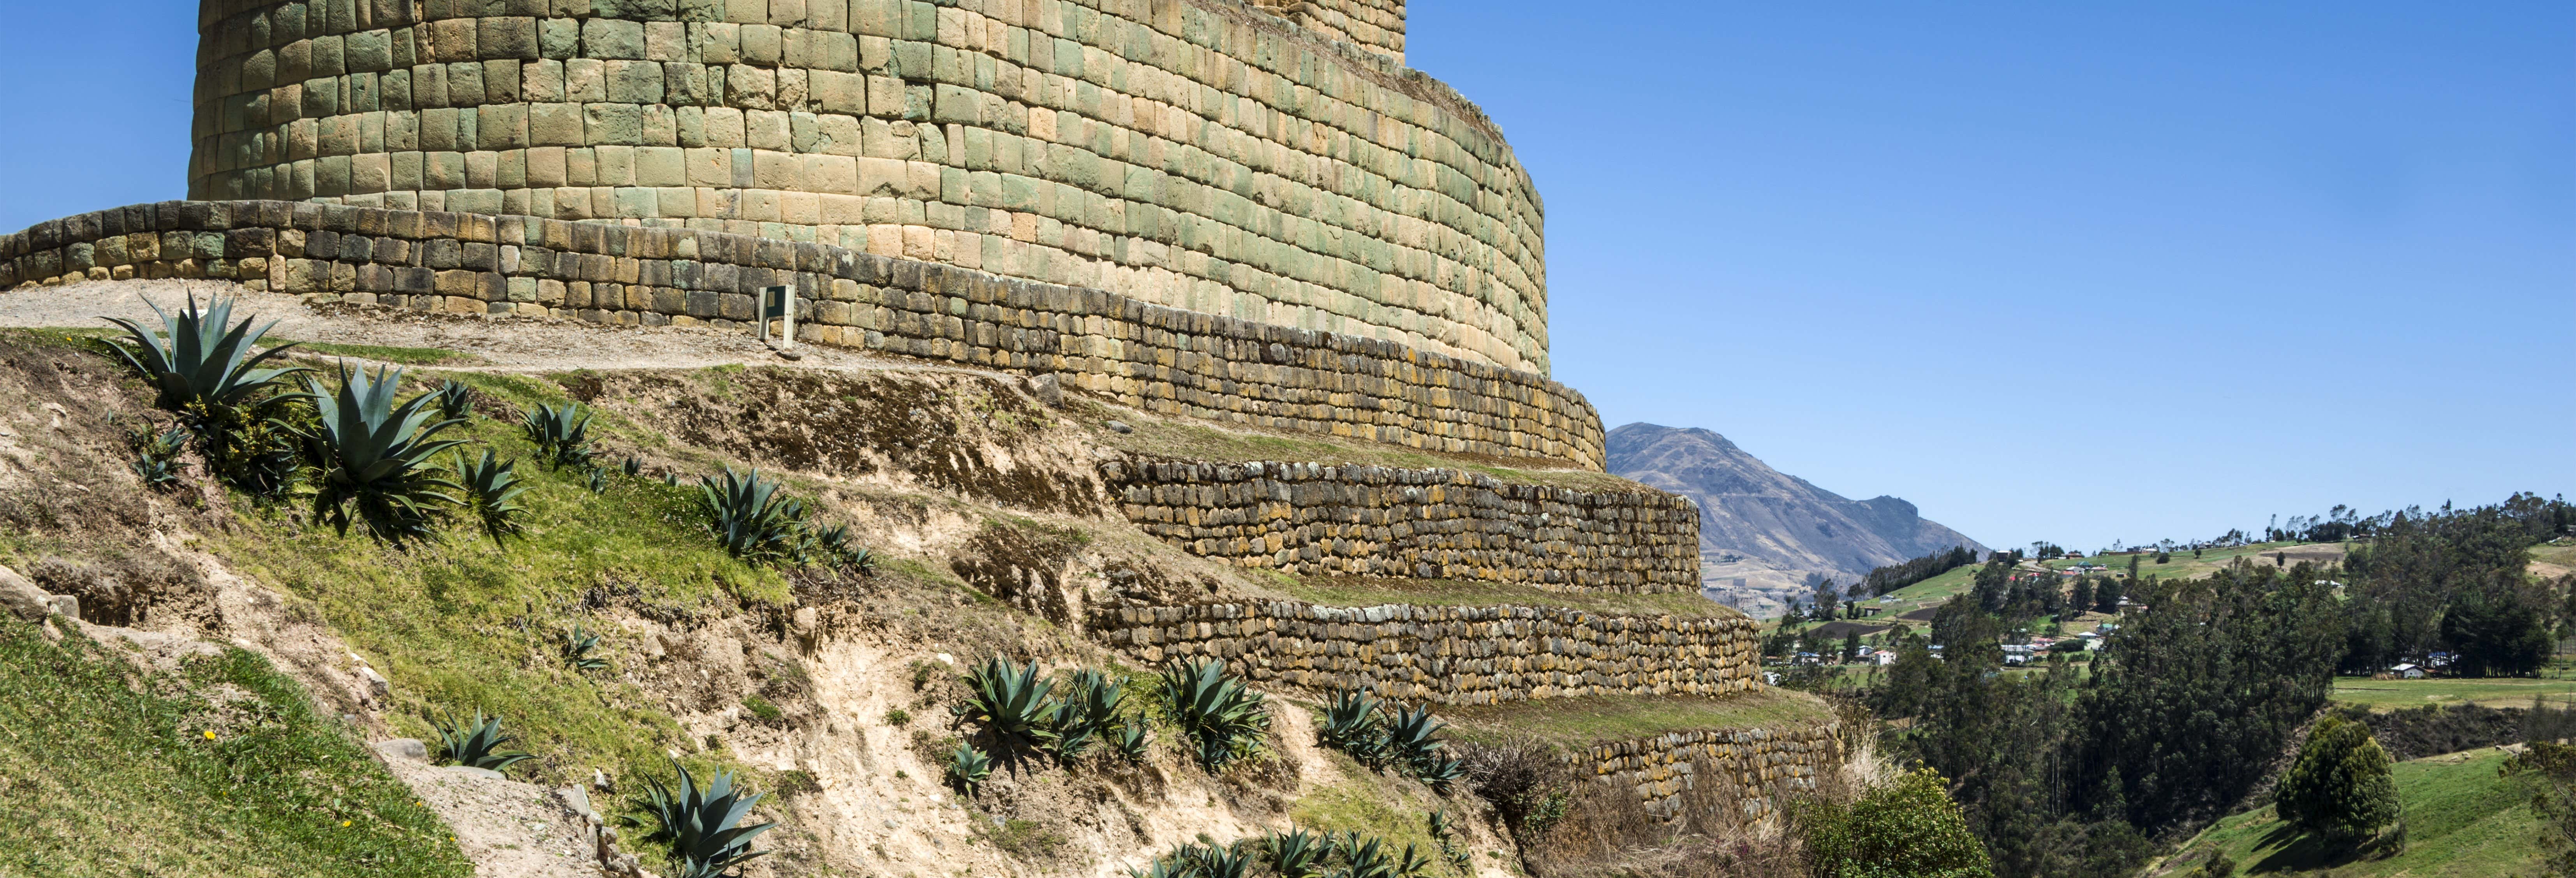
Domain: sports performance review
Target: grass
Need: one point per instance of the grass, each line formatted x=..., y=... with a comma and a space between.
x=1196, y=441
x=1397, y=812
x=2490, y=692
x=2462, y=819
x=1595, y=718
x=106, y=768
x=1366, y=592
x=460, y=624
x=383, y=354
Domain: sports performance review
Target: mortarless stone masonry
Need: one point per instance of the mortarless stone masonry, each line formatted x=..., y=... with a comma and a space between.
x=1750, y=761
x=1446, y=654
x=1162, y=359
x=1199, y=154
x=1324, y=520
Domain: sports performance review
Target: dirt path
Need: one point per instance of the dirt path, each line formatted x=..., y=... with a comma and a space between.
x=513, y=344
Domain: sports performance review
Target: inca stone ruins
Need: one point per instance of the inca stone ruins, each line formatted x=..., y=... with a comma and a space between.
x=1253, y=215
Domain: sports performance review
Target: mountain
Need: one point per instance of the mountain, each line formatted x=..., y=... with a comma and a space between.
x=1765, y=536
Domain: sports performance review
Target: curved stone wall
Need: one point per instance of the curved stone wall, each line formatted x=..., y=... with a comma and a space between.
x=1197, y=154
x=1161, y=359
x=1326, y=520
x=1449, y=655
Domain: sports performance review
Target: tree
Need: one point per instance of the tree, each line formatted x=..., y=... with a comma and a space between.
x=2340, y=787
x=2082, y=600
x=2106, y=597
x=1909, y=829
x=1851, y=645
x=2499, y=629
x=2552, y=767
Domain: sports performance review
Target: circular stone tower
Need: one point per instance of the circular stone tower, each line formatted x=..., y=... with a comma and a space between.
x=1273, y=162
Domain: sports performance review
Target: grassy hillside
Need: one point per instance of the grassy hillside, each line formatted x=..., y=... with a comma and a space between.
x=2552, y=688
x=2462, y=819
x=218, y=767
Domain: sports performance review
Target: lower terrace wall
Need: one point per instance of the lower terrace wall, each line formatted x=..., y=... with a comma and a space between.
x=1161, y=359
x=1754, y=762
x=1448, y=655
x=1314, y=519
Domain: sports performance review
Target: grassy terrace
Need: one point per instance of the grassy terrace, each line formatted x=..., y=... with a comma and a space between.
x=2461, y=820
x=2556, y=691
x=1195, y=440
x=1369, y=592
x=1626, y=717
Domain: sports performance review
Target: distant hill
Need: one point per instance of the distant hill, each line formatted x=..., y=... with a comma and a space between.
x=1766, y=536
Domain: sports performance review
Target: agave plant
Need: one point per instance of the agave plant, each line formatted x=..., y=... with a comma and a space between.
x=1296, y=853
x=1410, y=738
x=703, y=828
x=1213, y=861
x=968, y=767
x=1012, y=706
x=1162, y=867
x=1441, y=773
x=156, y=457
x=477, y=744
x=1411, y=863
x=378, y=454
x=1223, y=717
x=1352, y=725
x=631, y=467
x=596, y=480
x=1361, y=856
x=1089, y=712
x=455, y=400
x=202, y=357
x=1131, y=742
x=562, y=433
x=834, y=543
x=755, y=522
x=578, y=647
x=491, y=490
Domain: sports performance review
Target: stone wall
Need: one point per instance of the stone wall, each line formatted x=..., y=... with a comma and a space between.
x=1321, y=520
x=1447, y=655
x=1162, y=359
x=1664, y=769
x=1197, y=154
x=1375, y=25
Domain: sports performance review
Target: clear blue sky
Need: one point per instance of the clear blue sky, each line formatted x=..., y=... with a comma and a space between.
x=2064, y=271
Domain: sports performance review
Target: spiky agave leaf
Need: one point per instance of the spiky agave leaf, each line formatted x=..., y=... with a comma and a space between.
x=703, y=828
x=1296, y=853
x=1411, y=736
x=491, y=489
x=1089, y=712
x=1214, y=861
x=1352, y=724
x=1130, y=741
x=477, y=744
x=968, y=767
x=753, y=520
x=205, y=358
x=379, y=455
x=578, y=647
x=1411, y=863
x=1361, y=856
x=1012, y=706
x=1223, y=717
x=455, y=400
x=561, y=432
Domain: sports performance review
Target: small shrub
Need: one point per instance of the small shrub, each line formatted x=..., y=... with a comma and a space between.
x=1524, y=781
x=477, y=744
x=762, y=710
x=703, y=828
x=561, y=432
x=2340, y=788
x=376, y=454
x=1025, y=839
x=1908, y=828
x=968, y=767
x=491, y=492
x=897, y=717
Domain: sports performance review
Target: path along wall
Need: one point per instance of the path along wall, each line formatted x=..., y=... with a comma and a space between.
x=1318, y=520
x=1162, y=359
x=1198, y=154
x=1664, y=770
x=1448, y=655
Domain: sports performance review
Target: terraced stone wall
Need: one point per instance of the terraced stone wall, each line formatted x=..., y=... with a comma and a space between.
x=1154, y=357
x=1320, y=520
x=1195, y=154
x=1751, y=761
x=1447, y=655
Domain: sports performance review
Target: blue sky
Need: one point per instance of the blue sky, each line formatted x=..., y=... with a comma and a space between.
x=2064, y=271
